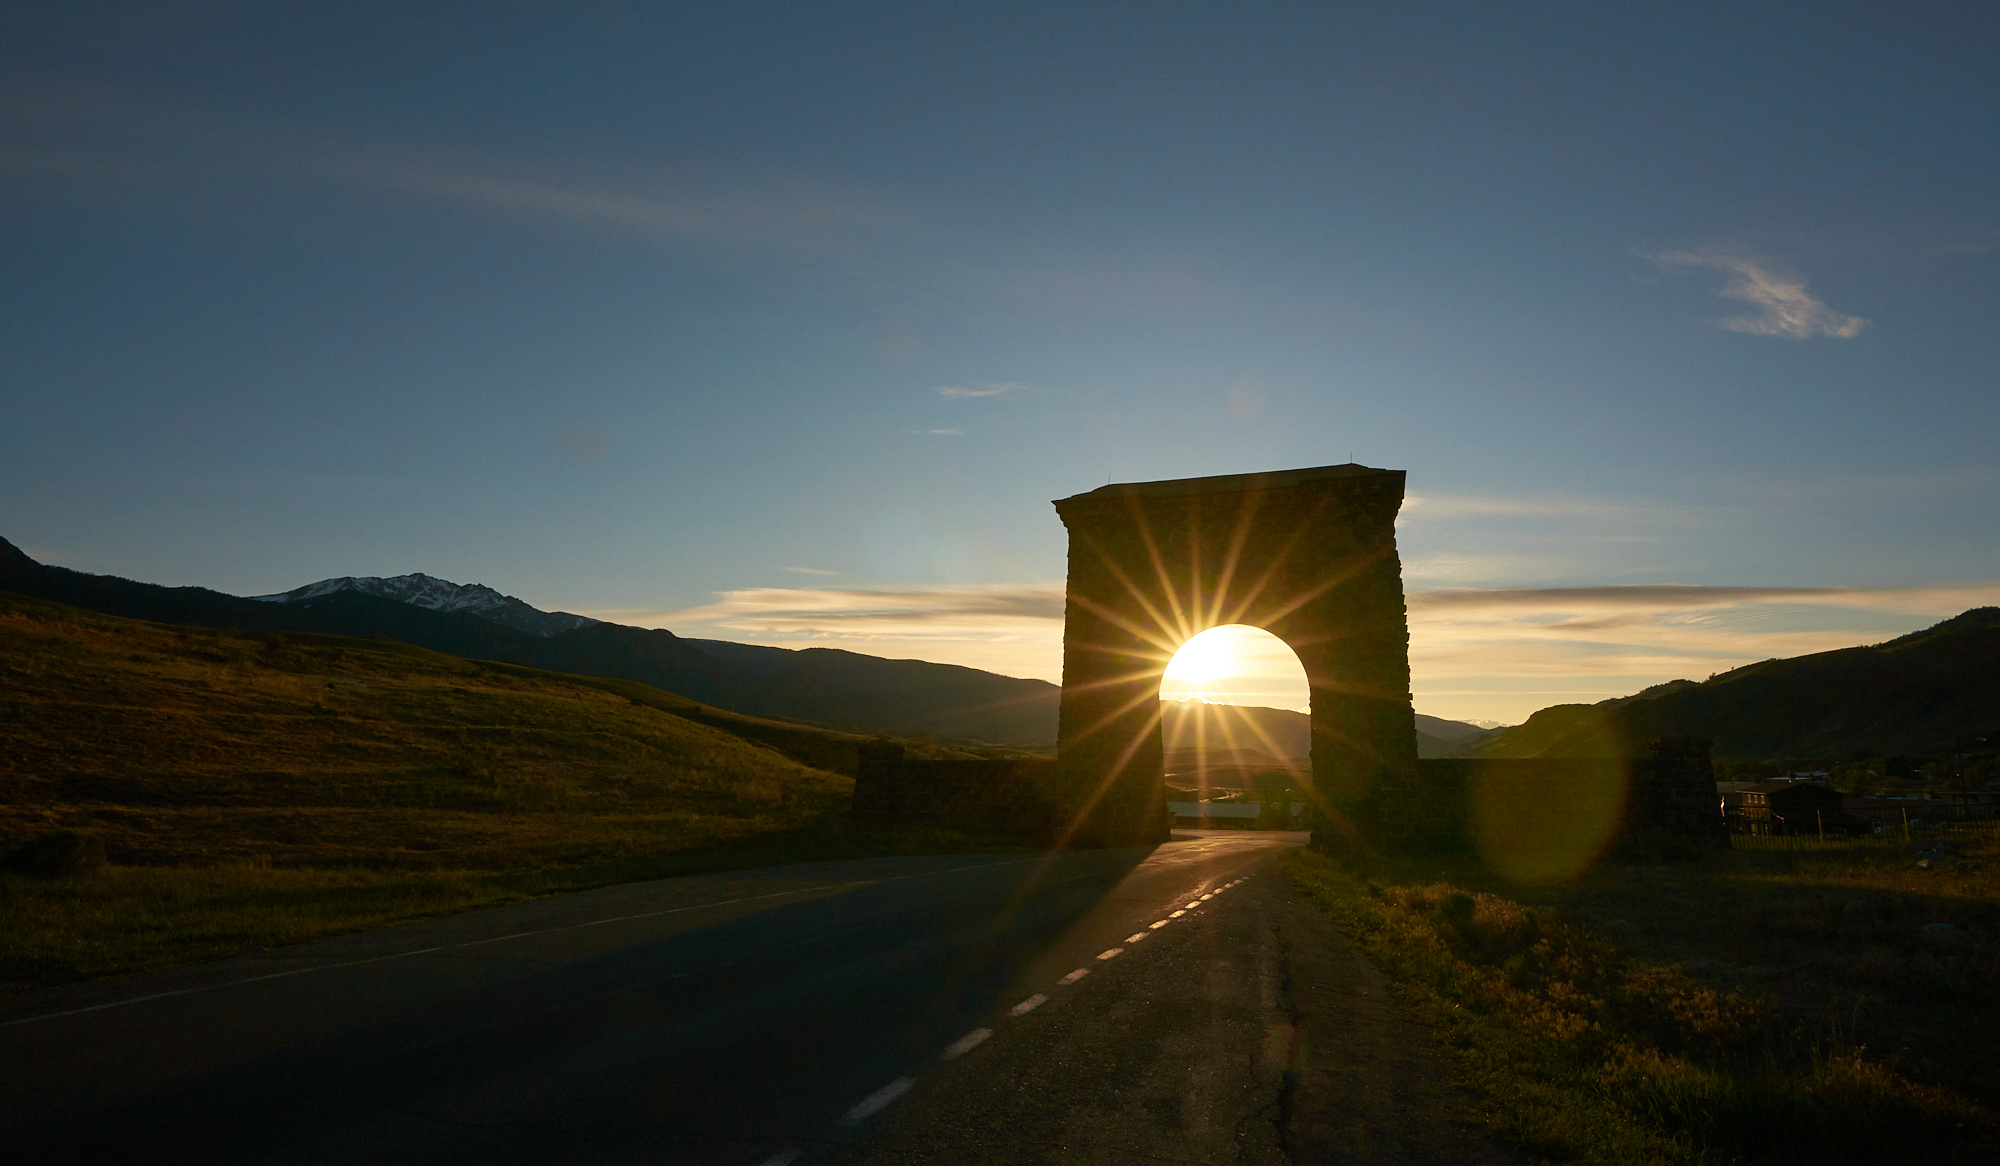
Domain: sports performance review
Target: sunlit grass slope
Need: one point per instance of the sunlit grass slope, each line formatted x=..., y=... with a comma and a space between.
x=251, y=791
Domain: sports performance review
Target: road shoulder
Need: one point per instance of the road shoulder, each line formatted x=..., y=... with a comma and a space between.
x=1368, y=1083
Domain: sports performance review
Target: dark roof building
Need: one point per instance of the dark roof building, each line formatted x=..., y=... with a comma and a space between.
x=1784, y=807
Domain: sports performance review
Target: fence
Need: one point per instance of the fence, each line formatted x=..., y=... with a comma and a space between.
x=1880, y=824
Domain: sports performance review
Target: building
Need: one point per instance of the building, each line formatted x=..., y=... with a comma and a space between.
x=1784, y=807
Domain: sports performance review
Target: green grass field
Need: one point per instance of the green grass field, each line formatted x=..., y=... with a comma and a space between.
x=1758, y=1006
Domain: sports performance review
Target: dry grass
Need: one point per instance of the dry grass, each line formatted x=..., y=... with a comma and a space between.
x=1745, y=1007
x=257, y=791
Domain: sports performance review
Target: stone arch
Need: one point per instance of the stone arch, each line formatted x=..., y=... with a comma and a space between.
x=1307, y=555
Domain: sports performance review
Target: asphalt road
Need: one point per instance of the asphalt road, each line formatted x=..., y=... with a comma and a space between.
x=1099, y=1006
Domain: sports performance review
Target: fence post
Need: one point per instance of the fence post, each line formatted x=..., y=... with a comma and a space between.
x=1821, y=815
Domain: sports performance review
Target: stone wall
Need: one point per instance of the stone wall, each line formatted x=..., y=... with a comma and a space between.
x=1528, y=817
x=1014, y=798
x=1568, y=809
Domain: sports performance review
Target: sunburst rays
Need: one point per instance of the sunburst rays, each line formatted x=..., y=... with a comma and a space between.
x=1167, y=586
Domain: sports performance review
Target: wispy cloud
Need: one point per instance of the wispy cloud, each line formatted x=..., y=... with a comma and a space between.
x=60, y=130
x=659, y=207
x=1441, y=507
x=1662, y=597
x=1540, y=613
x=992, y=389
x=940, y=432
x=811, y=571
x=1499, y=653
x=1787, y=309
x=1475, y=653
x=975, y=613
x=1470, y=568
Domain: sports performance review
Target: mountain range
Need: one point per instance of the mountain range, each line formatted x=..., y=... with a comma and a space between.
x=824, y=686
x=1933, y=691
x=422, y=590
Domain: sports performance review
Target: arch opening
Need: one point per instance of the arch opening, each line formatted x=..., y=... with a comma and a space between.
x=1236, y=725
x=1238, y=664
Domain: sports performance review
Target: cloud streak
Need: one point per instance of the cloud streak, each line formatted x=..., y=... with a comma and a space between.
x=1662, y=597
x=987, y=390
x=1475, y=653
x=1446, y=507
x=1543, y=612
x=153, y=141
x=968, y=613
x=1787, y=310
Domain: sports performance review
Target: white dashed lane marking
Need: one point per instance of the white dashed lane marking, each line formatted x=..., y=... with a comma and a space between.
x=879, y=1100
x=875, y=1102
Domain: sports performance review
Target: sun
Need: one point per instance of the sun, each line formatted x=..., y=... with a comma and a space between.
x=1204, y=660
x=1236, y=664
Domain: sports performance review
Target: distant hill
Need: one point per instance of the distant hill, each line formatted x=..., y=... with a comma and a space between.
x=825, y=686
x=1932, y=691
x=1439, y=729
x=1280, y=733
x=1221, y=728
x=836, y=687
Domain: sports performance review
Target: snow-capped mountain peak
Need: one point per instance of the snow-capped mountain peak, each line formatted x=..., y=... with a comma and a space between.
x=421, y=590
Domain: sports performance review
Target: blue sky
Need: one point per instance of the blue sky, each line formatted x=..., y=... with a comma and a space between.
x=784, y=322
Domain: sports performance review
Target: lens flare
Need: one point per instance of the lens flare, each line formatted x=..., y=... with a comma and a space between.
x=1538, y=821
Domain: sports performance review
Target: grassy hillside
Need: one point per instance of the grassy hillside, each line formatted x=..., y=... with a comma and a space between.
x=251, y=791
x=822, y=686
x=308, y=749
x=1932, y=691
